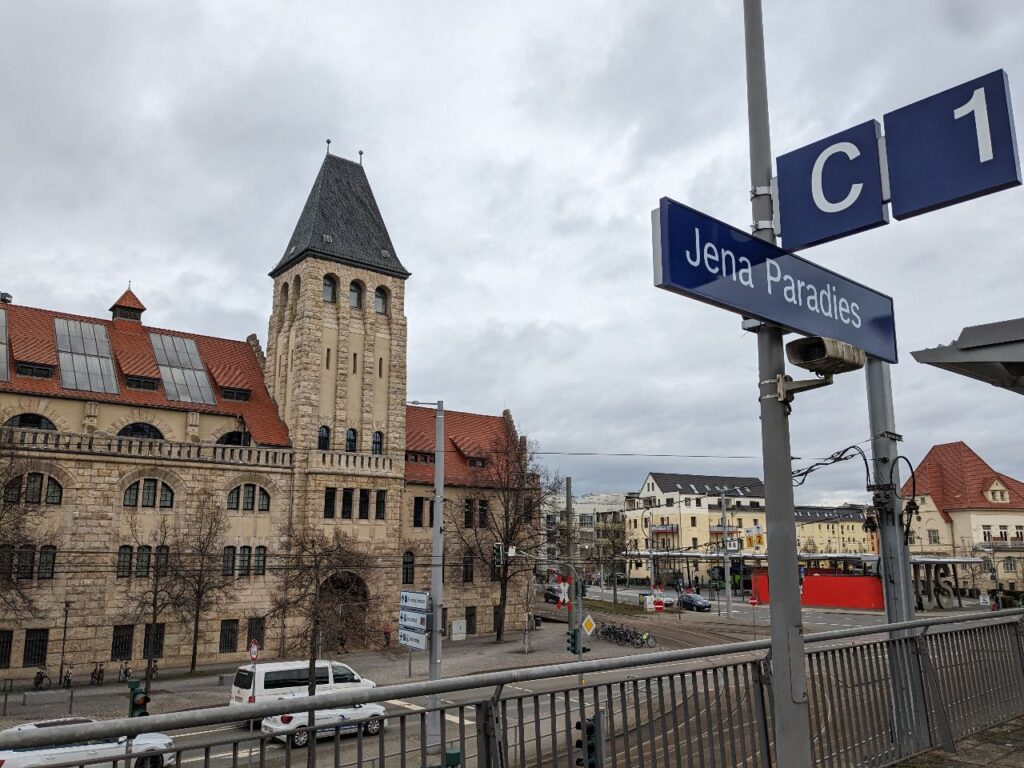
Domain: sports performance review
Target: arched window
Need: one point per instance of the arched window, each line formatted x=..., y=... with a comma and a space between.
x=6, y=563
x=259, y=563
x=380, y=301
x=323, y=438
x=244, y=557
x=142, y=561
x=330, y=290
x=30, y=421
x=351, y=438
x=148, y=496
x=29, y=488
x=235, y=438
x=228, y=562
x=283, y=296
x=141, y=430
x=26, y=561
x=247, y=496
x=124, y=562
x=408, y=568
x=264, y=504
x=233, y=496
x=378, y=442
x=355, y=295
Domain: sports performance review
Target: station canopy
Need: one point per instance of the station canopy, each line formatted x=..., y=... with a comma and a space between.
x=993, y=353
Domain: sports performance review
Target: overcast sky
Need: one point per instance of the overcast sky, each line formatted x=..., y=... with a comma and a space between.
x=516, y=151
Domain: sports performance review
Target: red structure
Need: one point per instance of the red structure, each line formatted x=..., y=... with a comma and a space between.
x=825, y=589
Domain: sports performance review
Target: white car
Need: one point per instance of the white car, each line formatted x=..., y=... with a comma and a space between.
x=256, y=683
x=91, y=751
x=370, y=718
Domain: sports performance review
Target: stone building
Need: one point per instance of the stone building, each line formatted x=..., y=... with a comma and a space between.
x=111, y=426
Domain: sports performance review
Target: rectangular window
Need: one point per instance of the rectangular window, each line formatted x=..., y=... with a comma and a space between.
x=467, y=567
x=26, y=561
x=484, y=513
x=34, y=371
x=36, y=641
x=417, y=512
x=382, y=504
x=153, y=642
x=1003, y=530
x=240, y=395
x=693, y=543
x=469, y=514
x=364, y=504
x=933, y=536
x=329, y=495
x=693, y=521
x=256, y=631
x=259, y=561
x=471, y=620
x=755, y=504
x=244, y=558
x=34, y=488
x=346, y=503
x=229, y=636
x=84, y=354
x=149, y=492
x=698, y=501
x=669, y=501
x=6, y=640
x=248, y=496
x=140, y=382
x=986, y=533
x=121, y=644
x=182, y=369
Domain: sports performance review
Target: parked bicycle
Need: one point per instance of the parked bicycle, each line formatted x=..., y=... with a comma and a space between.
x=643, y=639
x=41, y=681
x=66, y=682
x=124, y=673
x=96, y=678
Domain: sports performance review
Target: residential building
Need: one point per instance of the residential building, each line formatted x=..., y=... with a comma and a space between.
x=968, y=509
x=112, y=428
x=598, y=533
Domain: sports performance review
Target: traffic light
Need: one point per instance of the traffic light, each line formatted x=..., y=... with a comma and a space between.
x=139, y=699
x=572, y=641
x=591, y=741
x=497, y=554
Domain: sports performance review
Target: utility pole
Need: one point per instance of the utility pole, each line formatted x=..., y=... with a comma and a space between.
x=570, y=549
x=726, y=560
x=792, y=722
x=437, y=580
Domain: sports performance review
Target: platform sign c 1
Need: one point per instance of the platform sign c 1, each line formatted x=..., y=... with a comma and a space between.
x=705, y=259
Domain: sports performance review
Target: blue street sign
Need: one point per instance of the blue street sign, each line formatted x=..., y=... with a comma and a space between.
x=708, y=260
x=951, y=147
x=831, y=188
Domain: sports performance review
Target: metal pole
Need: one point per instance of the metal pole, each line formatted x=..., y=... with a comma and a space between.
x=789, y=684
x=63, y=640
x=894, y=556
x=437, y=581
x=726, y=562
x=570, y=549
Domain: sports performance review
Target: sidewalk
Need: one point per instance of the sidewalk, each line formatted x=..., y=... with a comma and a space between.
x=173, y=691
x=1002, y=745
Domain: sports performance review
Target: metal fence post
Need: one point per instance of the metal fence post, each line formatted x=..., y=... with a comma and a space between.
x=764, y=683
x=931, y=682
x=1019, y=634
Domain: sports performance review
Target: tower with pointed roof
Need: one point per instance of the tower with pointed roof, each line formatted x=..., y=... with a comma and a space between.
x=336, y=345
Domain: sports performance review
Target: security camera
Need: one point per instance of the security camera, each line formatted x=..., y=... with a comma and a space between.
x=825, y=356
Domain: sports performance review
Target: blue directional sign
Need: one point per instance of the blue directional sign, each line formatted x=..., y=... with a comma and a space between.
x=831, y=188
x=951, y=147
x=706, y=259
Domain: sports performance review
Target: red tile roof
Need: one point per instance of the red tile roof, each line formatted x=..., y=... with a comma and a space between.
x=957, y=478
x=229, y=363
x=129, y=300
x=466, y=435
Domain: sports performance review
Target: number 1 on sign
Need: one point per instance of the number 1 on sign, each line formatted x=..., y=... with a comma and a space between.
x=979, y=107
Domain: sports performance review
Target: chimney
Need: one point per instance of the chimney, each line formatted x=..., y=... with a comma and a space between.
x=6, y=298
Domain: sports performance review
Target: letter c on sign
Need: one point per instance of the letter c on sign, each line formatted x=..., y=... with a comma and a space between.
x=851, y=151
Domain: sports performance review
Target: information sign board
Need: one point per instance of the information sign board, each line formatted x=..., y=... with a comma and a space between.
x=413, y=620
x=831, y=188
x=415, y=601
x=708, y=260
x=951, y=147
x=412, y=639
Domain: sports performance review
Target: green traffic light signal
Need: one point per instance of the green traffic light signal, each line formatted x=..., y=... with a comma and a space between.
x=139, y=700
x=572, y=641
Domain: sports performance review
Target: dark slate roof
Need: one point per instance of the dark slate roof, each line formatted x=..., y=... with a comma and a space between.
x=341, y=222
x=709, y=484
x=846, y=512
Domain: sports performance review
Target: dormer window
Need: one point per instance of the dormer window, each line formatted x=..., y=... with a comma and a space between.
x=233, y=393
x=141, y=382
x=478, y=463
x=34, y=371
x=123, y=313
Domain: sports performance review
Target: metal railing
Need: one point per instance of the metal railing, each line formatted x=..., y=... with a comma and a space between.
x=876, y=696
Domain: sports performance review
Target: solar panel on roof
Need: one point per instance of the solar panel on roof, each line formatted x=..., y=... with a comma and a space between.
x=84, y=354
x=182, y=370
x=3, y=345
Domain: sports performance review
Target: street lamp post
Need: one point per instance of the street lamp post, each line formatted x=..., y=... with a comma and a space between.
x=63, y=642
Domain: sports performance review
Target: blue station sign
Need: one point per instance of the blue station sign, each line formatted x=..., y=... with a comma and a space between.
x=708, y=260
x=951, y=147
x=942, y=150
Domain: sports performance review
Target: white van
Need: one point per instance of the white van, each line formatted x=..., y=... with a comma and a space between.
x=274, y=680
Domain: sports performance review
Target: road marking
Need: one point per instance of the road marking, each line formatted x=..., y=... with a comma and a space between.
x=211, y=730
x=418, y=708
x=519, y=688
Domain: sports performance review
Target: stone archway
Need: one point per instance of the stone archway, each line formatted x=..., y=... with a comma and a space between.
x=346, y=602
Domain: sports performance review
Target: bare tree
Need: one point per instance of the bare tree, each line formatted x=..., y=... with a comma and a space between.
x=198, y=580
x=150, y=593
x=22, y=530
x=611, y=549
x=321, y=585
x=518, y=484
